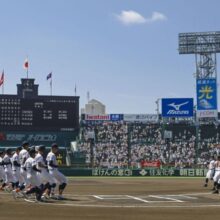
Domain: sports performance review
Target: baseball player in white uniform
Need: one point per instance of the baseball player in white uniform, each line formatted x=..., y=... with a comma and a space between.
x=23, y=156
x=16, y=167
x=53, y=170
x=9, y=178
x=45, y=178
x=211, y=171
x=216, y=177
x=2, y=171
x=31, y=169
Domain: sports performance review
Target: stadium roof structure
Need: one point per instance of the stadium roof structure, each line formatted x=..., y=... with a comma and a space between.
x=199, y=42
x=204, y=45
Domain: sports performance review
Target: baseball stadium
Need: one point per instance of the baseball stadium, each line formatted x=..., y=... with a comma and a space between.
x=60, y=161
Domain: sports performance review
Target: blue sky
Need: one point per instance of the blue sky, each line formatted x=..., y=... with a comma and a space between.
x=120, y=51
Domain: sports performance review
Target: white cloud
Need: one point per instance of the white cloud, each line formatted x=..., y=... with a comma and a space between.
x=133, y=17
x=156, y=16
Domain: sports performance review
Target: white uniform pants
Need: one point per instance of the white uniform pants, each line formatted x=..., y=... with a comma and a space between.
x=45, y=177
x=24, y=178
x=9, y=178
x=2, y=174
x=216, y=178
x=210, y=173
x=17, y=176
x=58, y=176
x=33, y=179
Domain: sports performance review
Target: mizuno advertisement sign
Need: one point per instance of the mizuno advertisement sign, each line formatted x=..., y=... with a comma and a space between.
x=178, y=107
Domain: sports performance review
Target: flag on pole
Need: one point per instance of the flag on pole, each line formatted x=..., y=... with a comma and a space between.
x=75, y=89
x=2, y=78
x=26, y=64
x=49, y=76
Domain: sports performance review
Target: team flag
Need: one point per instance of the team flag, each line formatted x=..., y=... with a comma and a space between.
x=49, y=76
x=26, y=64
x=2, y=78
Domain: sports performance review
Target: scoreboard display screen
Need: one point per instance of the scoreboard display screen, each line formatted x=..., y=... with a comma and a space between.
x=42, y=113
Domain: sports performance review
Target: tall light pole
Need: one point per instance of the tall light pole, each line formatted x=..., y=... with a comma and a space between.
x=205, y=46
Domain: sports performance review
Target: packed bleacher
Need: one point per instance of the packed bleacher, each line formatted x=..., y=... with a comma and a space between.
x=121, y=144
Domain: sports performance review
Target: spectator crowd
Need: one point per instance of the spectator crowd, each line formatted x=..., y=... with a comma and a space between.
x=121, y=144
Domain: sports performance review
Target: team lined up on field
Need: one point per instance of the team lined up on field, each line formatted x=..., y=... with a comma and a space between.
x=214, y=174
x=27, y=171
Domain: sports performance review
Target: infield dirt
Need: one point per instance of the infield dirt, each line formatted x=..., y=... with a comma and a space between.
x=120, y=198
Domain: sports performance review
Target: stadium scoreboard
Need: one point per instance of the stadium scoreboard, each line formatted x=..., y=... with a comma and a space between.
x=28, y=111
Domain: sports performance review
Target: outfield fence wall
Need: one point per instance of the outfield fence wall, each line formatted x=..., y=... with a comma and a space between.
x=96, y=172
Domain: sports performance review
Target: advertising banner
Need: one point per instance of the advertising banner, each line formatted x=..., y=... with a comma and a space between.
x=116, y=117
x=134, y=172
x=150, y=164
x=107, y=117
x=14, y=138
x=97, y=117
x=206, y=98
x=153, y=118
x=177, y=107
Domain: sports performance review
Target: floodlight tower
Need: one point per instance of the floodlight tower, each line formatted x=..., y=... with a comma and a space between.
x=204, y=45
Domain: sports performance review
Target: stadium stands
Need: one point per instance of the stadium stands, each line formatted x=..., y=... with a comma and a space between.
x=122, y=144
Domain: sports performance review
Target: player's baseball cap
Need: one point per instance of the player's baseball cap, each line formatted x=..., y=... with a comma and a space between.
x=41, y=148
x=19, y=148
x=32, y=150
x=54, y=145
x=25, y=143
x=8, y=150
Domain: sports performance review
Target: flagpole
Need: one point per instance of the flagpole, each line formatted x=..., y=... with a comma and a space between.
x=3, y=84
x=27, y=67
x=51, y=84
